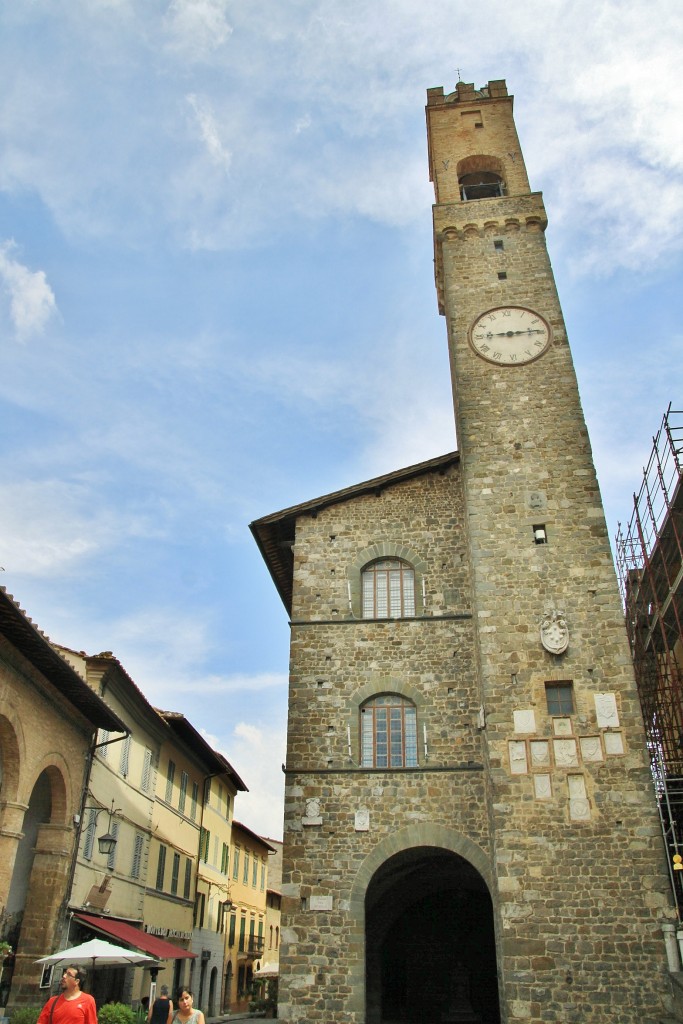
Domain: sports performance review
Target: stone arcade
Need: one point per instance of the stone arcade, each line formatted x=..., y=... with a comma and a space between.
x=470, y=830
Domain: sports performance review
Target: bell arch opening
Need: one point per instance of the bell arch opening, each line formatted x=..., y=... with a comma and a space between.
x=429, y=941
x=481, y=177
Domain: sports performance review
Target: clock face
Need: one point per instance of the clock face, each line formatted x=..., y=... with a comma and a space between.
x=510, y=335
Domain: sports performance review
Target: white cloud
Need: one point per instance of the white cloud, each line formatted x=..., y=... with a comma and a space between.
x=209, y=128
x=32, y=302
x=316, y=115
x=52, y=527
x=257, y=753
x=197, y=28
x=302, y=124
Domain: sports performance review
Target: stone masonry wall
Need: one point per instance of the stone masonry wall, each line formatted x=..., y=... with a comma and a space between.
x=582, y=888
x=337, y=661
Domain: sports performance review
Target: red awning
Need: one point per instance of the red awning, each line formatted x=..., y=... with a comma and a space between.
x=131, y=936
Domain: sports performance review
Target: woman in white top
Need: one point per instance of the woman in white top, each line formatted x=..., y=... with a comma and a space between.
x=185, y=1014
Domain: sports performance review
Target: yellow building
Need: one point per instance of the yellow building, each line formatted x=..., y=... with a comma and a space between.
x=186, y=766
x=246, y=939
x=212, y=819
x=268, y=970
x=109, y=895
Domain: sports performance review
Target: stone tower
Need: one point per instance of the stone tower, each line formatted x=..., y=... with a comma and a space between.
x=470, y=828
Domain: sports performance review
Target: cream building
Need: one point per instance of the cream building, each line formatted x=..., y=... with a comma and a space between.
x=246, y=938
x=110, y=893
x=211, y=893
x=268, y=969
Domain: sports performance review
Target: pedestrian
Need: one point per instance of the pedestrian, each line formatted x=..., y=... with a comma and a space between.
x=71, y=1006
x=161, y=1010
x=185, y=1014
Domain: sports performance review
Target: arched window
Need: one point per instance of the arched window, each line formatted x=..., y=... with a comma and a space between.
x=388, y=732
x=481, y=185
x=388, y=589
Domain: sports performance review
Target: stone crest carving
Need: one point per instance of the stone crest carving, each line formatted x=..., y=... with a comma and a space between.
x=554, y=632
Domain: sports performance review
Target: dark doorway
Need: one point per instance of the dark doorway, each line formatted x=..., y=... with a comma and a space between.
x=430, y=947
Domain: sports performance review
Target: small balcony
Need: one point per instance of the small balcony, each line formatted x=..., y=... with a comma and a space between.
x=251, y=949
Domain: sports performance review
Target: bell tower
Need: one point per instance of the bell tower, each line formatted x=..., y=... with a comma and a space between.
x=470, y=831
x=581, y=890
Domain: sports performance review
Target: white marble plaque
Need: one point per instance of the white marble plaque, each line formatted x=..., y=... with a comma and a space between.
x=518, y=762
x=525, y=721
x=591, y=748
x=362, y=820
x=540, y=753
x=566, y=754
x=579, y=806
x=320, y=903
x=312, y=815
x=606, y=710
x=562, y=726
x=614, y=743
x=542, y=787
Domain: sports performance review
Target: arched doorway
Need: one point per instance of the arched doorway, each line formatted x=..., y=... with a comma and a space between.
x=213, y=977
x=430, y=946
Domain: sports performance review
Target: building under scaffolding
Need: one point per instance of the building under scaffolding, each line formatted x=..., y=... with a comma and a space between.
x=650, y=566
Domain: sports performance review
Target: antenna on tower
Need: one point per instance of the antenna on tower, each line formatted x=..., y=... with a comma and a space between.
x=457, y=70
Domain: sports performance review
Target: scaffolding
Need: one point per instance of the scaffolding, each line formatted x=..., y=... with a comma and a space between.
x=650, y=568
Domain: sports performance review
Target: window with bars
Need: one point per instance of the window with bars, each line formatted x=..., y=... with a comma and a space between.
x=388, y=732
x=560, y=698
x=388, y=589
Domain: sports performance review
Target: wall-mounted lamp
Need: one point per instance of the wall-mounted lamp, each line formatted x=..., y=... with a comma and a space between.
x=107, y=842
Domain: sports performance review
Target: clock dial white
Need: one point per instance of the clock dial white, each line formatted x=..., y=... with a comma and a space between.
x=510, y=335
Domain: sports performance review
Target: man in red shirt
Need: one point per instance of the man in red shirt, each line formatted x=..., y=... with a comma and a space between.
x=71, y=1006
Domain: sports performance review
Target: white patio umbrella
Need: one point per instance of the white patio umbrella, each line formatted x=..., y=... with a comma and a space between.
x=98, y=953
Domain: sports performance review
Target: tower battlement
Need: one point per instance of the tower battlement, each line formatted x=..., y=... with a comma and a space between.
x=465, y=93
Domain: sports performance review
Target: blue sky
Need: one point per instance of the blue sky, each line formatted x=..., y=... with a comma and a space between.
x=217, y=297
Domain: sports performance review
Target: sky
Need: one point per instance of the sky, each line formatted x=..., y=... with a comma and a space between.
x=217, y=296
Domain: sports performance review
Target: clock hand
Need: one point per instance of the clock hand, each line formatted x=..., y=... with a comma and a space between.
x=510, y=334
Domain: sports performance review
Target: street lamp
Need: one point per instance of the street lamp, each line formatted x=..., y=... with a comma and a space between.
x=106, y=842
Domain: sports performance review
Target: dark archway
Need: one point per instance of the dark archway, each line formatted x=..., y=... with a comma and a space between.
x=430, y=946
x=213, y=977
